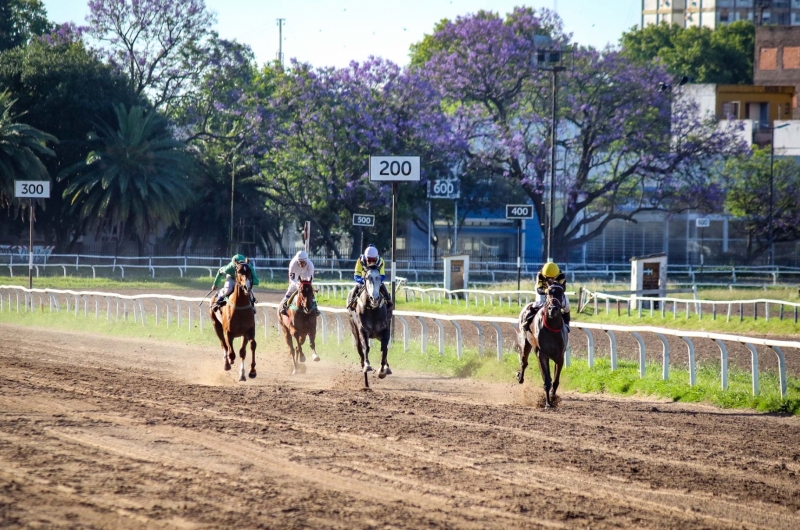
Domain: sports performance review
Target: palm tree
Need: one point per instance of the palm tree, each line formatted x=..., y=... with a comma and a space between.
x=20, y=148
x=137, y=179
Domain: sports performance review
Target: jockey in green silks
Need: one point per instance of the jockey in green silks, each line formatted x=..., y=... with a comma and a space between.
x=226, y=279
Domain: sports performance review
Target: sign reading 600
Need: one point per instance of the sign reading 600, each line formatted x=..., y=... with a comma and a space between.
x=32, y=189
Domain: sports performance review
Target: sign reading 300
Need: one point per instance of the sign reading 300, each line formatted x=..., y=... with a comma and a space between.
x=32, y=189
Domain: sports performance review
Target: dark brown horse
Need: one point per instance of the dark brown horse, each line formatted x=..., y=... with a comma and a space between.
x=237, y=319
x=300, y=322
x=548, y=338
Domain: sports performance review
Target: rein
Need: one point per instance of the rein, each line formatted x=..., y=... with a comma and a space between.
x=544, y=322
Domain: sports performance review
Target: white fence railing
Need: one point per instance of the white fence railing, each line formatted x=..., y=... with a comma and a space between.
x=728, y=308
x=172, y=308
x=493, y=271
x=437, y=295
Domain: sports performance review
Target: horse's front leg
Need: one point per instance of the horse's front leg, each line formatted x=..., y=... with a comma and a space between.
x=365, y=366
x=544, y=368
x=385, y=370
x=252, y=373
x=300, y=339
x=231, y=357
x=556, y=377
x=524, y=352
x=287, y=336
x=312, y=335
x=242, y=355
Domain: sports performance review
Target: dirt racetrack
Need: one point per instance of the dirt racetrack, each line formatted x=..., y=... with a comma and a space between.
x=98, y=432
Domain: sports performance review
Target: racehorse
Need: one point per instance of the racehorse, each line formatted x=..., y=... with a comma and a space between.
x=301, y=322
x=237, y=319
x=548, y=338
x=371, y=319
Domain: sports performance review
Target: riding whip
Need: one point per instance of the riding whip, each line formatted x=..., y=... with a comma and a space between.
x=206, y=296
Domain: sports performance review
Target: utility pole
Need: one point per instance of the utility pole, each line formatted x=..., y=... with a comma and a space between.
x=280, y=21
x=233, y=185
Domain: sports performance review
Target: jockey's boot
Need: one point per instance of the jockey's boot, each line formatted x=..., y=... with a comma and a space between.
x=352, y=298
x=217, y=303
x=253, y=302
x=284, y=308
x=386, y=295
x=526, y=326
x=566, y=317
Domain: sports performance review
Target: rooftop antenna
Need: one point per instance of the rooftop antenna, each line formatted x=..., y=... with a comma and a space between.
x=280, y=21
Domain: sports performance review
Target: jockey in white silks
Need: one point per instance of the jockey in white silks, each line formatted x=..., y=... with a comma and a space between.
x=300, y=269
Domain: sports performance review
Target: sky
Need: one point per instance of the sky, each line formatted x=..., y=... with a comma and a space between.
x=335, y=32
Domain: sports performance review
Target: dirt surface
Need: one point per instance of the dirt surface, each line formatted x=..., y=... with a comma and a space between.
x=97, y=432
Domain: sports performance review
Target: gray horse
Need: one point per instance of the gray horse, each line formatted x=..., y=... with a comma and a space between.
x=371, y=319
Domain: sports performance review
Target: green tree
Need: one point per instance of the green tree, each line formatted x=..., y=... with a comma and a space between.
x=20, y=20
x=135, y=182
x=723, y=56
x=63, y=89
x=20, y=148
x=748, y=199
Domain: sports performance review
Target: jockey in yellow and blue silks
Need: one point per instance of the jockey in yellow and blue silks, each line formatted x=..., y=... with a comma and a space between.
x=546, y=277
x=368, y=260
x=226, y=279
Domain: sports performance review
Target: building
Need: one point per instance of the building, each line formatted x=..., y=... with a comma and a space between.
x=713, y=13
x=777, y=59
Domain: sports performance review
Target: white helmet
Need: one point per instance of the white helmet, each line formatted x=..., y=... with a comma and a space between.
x=371, y=252
x=301, y=255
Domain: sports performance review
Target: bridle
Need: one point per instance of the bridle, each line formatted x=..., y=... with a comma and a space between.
x=243, y=269
x=369, y=301
x=552, y=301
x=305, y=302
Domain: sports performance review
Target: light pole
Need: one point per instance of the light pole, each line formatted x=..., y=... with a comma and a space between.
x=549, y=58
x=772, y=192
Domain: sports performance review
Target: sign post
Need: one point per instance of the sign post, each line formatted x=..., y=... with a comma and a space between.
x=519, y=212
x=702, y=223
x=394, y=169
x=361, y=220
x=31, y=189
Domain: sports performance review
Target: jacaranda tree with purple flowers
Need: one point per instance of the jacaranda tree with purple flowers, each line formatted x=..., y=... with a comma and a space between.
x=329, y=121
x=161, y=45
x=623, y=147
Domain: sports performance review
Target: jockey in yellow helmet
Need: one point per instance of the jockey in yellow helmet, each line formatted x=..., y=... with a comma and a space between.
x=546, y=277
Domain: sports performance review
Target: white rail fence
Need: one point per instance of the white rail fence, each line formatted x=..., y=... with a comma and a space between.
x=710, y=308
x=494, y=271
x=438, y=295
x=180, y=311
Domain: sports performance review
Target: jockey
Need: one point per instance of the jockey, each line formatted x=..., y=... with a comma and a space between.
x=368, y=260
x=227, y=275
x=300, y=268
x=549, y=275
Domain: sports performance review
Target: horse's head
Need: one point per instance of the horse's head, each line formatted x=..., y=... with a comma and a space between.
x=305, y=296
x=244, y=276
x=372, y=283
x=555, y=293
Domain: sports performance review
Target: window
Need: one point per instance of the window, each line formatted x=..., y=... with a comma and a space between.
x=768, y=59
x=723, y=15
x=730, y=110
x=791, y=57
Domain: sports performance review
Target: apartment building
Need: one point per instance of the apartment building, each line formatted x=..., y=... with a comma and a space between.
x=713, y=13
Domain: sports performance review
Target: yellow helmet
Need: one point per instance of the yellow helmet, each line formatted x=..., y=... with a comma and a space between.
x=550, y=270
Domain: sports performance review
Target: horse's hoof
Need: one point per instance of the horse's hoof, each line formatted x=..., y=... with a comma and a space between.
x=520, y=378
x=315, y=357
x=252, y=375
x=294, y=371
x=227, y=366
x=242, y=378
x=548, y=406
x=302, y=358
x=367, y=368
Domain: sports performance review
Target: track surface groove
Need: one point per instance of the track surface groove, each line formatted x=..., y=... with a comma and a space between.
x=97, y=432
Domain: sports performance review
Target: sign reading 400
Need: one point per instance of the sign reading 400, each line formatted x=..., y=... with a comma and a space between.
x=394, y=168
x=32, y=189
x=519, y=211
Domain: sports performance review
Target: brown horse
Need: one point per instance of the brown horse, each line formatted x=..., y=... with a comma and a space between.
x=237, y=319
x=301, y=322
x=548, y=338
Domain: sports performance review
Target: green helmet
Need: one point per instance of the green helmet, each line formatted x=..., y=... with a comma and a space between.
x=238, y=258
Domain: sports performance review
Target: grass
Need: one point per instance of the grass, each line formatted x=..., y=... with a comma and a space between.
x=579, y=377
x=88, y=283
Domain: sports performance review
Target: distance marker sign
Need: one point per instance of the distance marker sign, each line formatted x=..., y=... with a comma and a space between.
x=519, y=211
x=32, y=189
x=362, y=219
x=394, y=168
